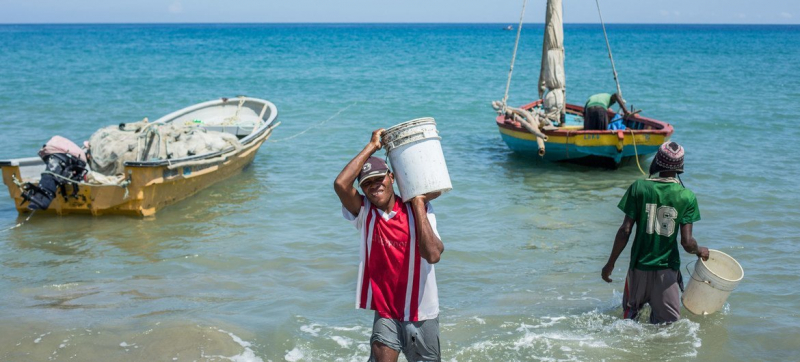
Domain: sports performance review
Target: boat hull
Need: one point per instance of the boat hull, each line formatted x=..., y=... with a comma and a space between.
x=602, y=147
x=150, y=186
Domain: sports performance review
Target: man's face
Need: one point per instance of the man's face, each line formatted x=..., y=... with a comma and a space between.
x=378, y=190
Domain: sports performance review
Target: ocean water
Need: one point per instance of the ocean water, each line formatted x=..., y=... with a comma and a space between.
x=262, y=267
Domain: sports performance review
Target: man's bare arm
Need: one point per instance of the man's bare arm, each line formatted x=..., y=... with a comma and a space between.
x=690, y=244
x=343, y=185
x=430, y=246
x=620, y=241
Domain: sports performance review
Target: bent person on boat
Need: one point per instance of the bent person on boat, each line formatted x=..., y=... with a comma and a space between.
x=595, y=112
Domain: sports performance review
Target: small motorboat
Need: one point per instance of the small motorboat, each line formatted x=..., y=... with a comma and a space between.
x=162, y=171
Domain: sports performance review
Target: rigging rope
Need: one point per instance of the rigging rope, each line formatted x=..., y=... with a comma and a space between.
x=613, y=68
x=124, y=184
x=316, y=125
x=514, y=56
x=143, y=147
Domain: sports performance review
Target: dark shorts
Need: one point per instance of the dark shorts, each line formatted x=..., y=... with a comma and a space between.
x=659, y=288
x=419, y=341
x=595, y=118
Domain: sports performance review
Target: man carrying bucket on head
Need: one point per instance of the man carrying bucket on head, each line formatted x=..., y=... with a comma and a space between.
x=659, y=206
x=399, y=245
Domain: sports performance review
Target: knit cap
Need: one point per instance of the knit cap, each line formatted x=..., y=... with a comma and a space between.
x=668, y=158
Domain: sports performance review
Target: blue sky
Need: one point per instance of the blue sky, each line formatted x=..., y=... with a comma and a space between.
x=396, y=11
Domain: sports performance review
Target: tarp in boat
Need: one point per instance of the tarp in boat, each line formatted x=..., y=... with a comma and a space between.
x=551, y=78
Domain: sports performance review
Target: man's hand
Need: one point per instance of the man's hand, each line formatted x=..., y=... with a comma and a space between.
x=606, y=274
x=376, y=139
x=431, y=196
x=702, y=252
x=423, y=199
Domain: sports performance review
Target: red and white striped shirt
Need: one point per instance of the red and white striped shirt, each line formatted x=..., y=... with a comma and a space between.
x=393, y=279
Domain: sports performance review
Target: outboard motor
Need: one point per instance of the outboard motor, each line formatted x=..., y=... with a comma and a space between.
x=61, y=168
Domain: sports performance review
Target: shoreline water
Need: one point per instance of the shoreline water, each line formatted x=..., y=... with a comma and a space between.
x=266, y=256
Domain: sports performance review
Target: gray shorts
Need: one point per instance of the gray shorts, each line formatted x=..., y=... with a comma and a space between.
x=419, y=341
x=659, y=288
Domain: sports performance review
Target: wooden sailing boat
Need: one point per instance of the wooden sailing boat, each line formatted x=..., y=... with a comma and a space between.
x=553, y=129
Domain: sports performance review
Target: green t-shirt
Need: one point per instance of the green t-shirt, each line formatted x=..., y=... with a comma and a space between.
x=600, y=100
x=658, y=208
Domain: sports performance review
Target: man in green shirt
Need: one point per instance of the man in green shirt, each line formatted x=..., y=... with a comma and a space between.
x=595, y=111
x=659, y=207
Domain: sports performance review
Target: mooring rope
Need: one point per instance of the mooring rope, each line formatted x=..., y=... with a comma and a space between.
x=514, y=56
x=317, y=124
x=613, y=68
x=636, y=152
x=20, y=224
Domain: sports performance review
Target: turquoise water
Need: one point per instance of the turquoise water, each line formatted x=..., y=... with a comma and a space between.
x=262, y=267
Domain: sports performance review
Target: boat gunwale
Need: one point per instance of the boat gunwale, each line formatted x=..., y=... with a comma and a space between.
x=246, y=141
x=20, y=160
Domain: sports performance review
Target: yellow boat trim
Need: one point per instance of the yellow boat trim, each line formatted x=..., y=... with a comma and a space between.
x=592, y=139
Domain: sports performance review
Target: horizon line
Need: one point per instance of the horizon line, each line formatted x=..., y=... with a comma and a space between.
x=370, y=23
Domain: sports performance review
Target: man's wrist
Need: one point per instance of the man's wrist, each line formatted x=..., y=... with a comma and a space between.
x=370, y=149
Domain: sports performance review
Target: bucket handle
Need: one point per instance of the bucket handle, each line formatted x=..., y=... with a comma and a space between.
x=386, y=158
x=691, y=275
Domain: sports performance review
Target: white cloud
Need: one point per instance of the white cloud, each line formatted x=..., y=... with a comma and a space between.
x=786, y=15
x=176, y=7
x=670, y=14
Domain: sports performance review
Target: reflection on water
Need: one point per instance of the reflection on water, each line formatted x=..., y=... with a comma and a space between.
x=168, y=341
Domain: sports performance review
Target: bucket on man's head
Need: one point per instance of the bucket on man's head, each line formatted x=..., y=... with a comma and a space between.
x=415, y=154
x=712, y=282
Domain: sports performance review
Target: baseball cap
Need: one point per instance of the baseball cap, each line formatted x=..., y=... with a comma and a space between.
x=374, y=167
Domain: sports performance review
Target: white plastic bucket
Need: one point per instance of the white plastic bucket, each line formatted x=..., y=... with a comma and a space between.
x=415, y=154
x=712, y=282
